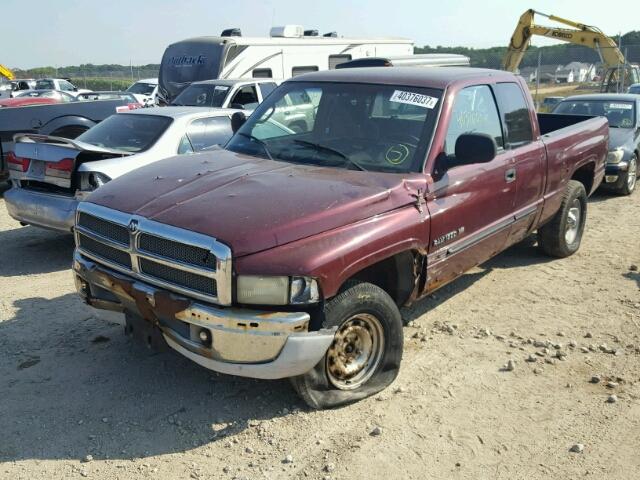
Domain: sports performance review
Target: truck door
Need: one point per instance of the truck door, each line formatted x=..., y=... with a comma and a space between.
x=471, y=206
x=527, y=160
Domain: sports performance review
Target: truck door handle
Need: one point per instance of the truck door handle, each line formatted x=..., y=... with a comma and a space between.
x=510, y=175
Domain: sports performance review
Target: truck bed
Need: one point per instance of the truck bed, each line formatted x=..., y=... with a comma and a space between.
x=572, y=142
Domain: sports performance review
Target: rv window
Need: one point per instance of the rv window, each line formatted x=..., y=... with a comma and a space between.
x=247, y=97
x=262, y=73
x=300, y=70
x=335, y=60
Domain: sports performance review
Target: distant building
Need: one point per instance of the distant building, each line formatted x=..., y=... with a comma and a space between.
x=547, y=73
x=576, y=72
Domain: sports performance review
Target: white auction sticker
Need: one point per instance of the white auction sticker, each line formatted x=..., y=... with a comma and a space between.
x=620, y=106
x=411, y=98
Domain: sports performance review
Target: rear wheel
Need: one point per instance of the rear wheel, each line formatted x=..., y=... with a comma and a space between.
x=365, y=355
x=630, y=179
x=561, y=236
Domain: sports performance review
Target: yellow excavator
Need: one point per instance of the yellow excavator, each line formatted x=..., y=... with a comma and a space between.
x=5, y=72
x=619, y=73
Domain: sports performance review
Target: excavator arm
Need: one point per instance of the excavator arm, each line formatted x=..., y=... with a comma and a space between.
x=5, y=72
x=580, y=34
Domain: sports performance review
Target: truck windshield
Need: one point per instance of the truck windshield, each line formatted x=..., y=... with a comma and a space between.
x=127, y=132
x=619, y=113
x=379, y=128
x=202, y=95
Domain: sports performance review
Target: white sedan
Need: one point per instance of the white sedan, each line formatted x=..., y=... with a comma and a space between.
x=50, y=175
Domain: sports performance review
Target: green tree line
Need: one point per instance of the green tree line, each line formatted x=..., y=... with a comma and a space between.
x=560, y=54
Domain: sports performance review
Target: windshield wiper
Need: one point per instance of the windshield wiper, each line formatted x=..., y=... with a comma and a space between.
x=258, y=141
x=318, y=147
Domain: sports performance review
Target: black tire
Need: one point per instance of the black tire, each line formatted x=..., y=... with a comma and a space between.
x=553, y=236
x=628, y=183
x=321, y=387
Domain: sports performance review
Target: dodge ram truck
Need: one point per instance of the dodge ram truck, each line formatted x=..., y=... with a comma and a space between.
x=288, y=254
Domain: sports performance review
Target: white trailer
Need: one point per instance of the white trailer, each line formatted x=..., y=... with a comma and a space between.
x=287, y=52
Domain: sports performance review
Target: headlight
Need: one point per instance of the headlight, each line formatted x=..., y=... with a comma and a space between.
x=615, y=156
x=259, y=290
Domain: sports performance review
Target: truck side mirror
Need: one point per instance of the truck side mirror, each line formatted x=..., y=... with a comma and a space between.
x=237, y=120
x=475, y=148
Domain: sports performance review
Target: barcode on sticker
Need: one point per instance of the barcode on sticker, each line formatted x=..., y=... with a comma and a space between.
x=620, y=106
x=411, y=98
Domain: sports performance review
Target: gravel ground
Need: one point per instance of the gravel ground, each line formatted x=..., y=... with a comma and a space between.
x=496, y=380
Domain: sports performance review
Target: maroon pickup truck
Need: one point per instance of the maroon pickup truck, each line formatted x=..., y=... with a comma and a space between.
x=289, y=253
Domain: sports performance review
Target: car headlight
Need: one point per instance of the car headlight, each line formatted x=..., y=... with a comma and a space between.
x=615, y=156
x=279, y=290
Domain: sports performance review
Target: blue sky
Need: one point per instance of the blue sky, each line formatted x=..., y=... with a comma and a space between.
x=69, y=32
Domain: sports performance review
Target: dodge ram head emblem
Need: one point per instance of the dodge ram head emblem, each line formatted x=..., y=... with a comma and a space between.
x=133, y=226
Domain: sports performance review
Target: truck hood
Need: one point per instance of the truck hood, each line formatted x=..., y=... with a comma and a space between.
x=253, y=204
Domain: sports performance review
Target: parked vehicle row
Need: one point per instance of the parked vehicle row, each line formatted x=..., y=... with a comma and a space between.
x=289, y=252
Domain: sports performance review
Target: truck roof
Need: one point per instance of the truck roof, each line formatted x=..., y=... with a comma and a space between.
x=624, y=97
x=433, y=77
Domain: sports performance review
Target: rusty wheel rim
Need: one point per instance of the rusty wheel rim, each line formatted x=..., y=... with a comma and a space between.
x=356, y=352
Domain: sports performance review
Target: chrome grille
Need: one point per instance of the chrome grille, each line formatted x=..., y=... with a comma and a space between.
x=173, y=258
x=104, y=251
x=110, y=230
x=178, y=277
x=188, y=254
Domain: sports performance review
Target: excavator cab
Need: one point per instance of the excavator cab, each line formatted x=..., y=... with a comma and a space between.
x=618, y=79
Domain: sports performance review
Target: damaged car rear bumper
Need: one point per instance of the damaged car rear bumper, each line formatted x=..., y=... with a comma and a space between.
x=234, y=341
x=47, y=210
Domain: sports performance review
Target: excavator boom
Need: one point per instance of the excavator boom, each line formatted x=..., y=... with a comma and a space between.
x=5, y=72
x=580, y=34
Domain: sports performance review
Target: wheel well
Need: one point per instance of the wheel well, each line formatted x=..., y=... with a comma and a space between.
x=585, y=175
x=395, y=275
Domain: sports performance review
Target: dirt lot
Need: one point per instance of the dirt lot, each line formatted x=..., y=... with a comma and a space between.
x=79, y=399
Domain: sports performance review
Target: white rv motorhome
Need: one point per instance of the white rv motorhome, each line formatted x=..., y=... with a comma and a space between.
x=287, y=52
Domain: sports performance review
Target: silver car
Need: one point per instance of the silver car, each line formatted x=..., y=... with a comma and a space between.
x=50, y=175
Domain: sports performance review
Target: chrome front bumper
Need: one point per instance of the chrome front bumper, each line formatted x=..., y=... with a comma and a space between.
x=248, y=343
x=47, y=210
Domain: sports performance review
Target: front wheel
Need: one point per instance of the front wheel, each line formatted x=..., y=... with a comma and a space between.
x=630, y=178
x=561, y=236
x=365, y=355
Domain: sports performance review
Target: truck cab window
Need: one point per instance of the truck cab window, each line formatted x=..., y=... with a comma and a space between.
x=474, y=111
x=266, y=88
x=515, y=114
x=245, y=97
